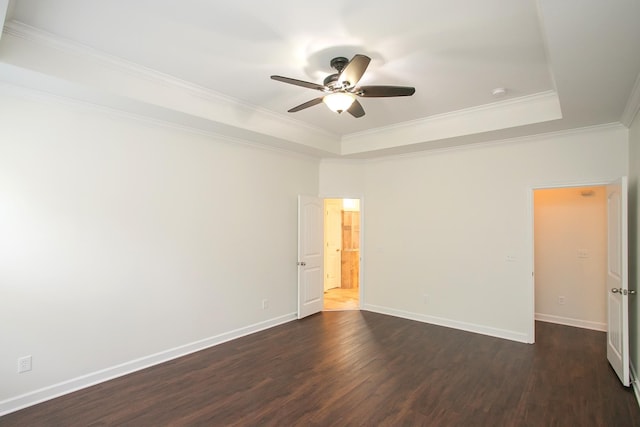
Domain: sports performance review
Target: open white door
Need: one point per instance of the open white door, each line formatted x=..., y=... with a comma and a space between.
x=310, y=256
x=617, y=280
x=333, y=240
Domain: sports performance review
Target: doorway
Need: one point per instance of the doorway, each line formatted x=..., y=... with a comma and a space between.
x=570, y=256
x=341, y=254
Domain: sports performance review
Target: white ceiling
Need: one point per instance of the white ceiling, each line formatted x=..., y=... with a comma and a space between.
x=565, y=64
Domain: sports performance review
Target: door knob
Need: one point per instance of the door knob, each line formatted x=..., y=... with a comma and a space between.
x=302, y=263
x=622, y=291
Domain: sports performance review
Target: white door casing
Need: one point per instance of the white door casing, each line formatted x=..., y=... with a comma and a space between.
x=333, y=243
x=310, y=255
x=617, y=279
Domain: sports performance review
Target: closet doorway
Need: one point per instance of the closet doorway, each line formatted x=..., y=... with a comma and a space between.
x=342, y=254
x=570, y=256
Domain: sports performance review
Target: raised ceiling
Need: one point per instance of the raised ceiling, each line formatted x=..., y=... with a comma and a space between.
x=206, y=65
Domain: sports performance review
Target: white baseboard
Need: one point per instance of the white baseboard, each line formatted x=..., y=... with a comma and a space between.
x=464, y=326
x=47, y=393
x=635, y=382
x=568, y=321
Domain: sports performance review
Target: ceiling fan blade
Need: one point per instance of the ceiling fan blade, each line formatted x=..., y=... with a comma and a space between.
x=307, y=104
x=354, y=70
x=299, y=83
x=384, y=91
x=356, y=109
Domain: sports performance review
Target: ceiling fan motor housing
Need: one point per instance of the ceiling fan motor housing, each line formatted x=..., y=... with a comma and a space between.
x=339, y=63
x=331, y=81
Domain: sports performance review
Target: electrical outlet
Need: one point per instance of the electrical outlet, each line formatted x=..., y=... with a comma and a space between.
x=561, y=300
x=265, y=304
x=24, y=364
x=425, y=298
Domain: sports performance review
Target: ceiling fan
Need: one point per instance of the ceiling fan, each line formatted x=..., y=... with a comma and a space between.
x=340, y=88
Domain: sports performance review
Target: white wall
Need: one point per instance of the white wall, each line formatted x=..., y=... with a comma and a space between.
x=123, y=239
x=341, y=178
x=570, y=238
x=634, y=245
x=440, y=225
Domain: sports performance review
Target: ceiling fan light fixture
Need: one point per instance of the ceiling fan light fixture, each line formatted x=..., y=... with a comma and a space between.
x=339, y=101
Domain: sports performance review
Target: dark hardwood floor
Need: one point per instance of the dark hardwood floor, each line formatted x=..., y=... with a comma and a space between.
x=360, y=368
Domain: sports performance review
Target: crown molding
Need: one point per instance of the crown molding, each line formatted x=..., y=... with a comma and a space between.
x=42, y=96
x=27, y=32
x=45, y=39
x=458, y=114
x=633, y=104
x=531, y=109
x=524, y=110
x=607, y=127
x=4, y=12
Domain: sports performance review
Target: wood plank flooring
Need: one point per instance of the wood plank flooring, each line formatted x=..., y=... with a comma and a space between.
x=347, y=368
x=342, y=299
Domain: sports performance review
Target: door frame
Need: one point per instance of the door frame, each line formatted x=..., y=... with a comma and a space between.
x=532, y=189
x=361, y=277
